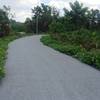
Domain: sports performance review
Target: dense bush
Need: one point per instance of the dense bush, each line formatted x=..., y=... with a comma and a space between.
x=98, y=61
x=4, y=30
x=2, y=57
x=89, y=57
x=86, y=57
x=97, y=58
x=56, y=27
x=82, y=37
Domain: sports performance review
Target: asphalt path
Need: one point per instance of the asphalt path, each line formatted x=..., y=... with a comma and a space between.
x=37, y=72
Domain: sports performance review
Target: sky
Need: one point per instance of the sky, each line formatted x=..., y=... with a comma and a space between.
x=22, y=8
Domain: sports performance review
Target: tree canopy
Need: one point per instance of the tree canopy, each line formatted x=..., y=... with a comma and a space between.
x=77, y=17
x=4, y=20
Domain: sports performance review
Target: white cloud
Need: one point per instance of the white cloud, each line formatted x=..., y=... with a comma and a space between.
x=22, y=8
x=21, y=16
x=29, y=2
x=95, y=4
x=65, y=3
x=59, y=4
x=92, y=2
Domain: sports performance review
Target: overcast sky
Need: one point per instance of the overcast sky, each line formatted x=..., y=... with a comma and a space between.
x=22, y=8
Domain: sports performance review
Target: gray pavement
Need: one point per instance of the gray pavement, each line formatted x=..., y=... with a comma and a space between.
x=37, y=72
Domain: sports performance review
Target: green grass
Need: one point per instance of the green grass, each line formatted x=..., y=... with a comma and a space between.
x=4, y=41
x=89, y=57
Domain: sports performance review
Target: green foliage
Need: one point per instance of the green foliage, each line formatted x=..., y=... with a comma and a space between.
x=77, y=17
x=2, y=58
x=43, y=16
x=3, y=17
x=97, y=61
x=56, y=27
x=3, y=50
x=91, y=58
x=85, y=38
x=17, y=26
x=4, y=21
x=29, y=26
x=88, y=57
x=64, y=48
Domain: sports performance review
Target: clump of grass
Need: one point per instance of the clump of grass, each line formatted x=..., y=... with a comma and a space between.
x=4, y=41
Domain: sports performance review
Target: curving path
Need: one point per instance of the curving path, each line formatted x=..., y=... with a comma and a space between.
x=37, y=72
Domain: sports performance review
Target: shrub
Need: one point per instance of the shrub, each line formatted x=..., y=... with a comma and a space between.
x=2, y=72
x=70, y=49
x=56, y=27
x=97, y=59
x=83, y=37
x=89, y=57
x=86, y=57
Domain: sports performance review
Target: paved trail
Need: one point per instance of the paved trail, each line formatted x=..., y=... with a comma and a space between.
x=37, y=72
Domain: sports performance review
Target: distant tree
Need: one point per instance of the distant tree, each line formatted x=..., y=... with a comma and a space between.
x=43, y=13
x=29, y=25
x=94, y=19
x=4, y=20
x=76, y=18
x=78, y=14
x=17, y=26
x=3, y=17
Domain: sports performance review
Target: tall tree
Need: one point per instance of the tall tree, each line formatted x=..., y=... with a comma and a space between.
x=43, y=13
x=29, y=25
x=78, y=14
x=94, y=18
x=4, y=21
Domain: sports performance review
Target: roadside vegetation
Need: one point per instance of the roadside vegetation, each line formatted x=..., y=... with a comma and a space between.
x=86, y=55
x=77, y=34
x=3, y=52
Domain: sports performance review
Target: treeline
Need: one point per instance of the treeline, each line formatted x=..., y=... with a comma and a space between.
x=49, y=18
x=43, y=16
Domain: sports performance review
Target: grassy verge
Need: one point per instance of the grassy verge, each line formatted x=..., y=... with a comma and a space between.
x=4, y=41
x=89, y=57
